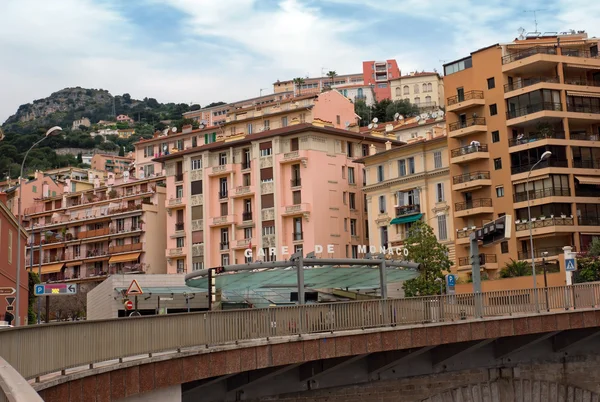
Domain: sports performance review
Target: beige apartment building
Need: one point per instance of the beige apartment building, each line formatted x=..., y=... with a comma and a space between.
x=425, y=89
x=408, y=183
x=508, y=104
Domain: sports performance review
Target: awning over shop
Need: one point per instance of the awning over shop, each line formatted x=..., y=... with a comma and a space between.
x=588, y=180
x=73, y=264
x=583, y=94
x=406, y=219
x=124, y=258
x=51, y=269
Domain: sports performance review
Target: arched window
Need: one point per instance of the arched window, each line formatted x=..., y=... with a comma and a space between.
x=406, y=90
x=429, y=87
x=428, y=100
x=424, y=87
x=398, y=92
x=416, y=88
x=417, y=100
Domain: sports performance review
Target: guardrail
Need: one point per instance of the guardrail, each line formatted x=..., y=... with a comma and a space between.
x=37, y=350
x=13, y=387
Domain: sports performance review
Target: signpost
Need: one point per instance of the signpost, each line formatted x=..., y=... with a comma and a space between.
x=7, y=291
x=9, y=301
x=450, y=284
x=570, y=264
x=129, y=305
x=134, y=289
x=55, y=289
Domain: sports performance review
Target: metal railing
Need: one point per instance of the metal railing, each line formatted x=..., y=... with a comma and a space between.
x=179, y=226
x=125, y=247
x=526, y=82
x=297, y=236
x=467, y=177
x=179, y=177
x=224, y=245
x=584, y=136
x=595, y=109
x=37, y=350
x=483, y=258
x=522, y=54
x=536, y=136
x=542, y=252
x=469, y=95
x=468, y=149
x=246, y=165
x=222, y=194
x=582, y=81
x=555, y=163
x=533, y=108
x=13, y=387
x=589, y=220
x=296, y=182
x=579, y=53
x=546, y=222
x=546, y=192
x=587, y=163
x=247, y=216
x=477, y=203
x=408, y=210
x=475, y=121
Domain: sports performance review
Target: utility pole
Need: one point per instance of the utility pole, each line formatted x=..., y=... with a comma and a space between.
x=534, y=16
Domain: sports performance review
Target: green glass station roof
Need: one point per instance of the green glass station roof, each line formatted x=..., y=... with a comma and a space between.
x=163, y=291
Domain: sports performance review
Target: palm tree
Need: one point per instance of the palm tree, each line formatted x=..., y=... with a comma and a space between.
x=515, y=268
x=332, y=75
x=298, y=83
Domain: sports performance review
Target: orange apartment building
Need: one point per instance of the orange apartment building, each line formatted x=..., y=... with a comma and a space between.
x=281, y=177
x=506, y=105
x=36, y=187
x=111, y=163
x=87, y=235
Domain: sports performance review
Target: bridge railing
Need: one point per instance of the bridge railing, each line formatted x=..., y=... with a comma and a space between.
x=13, y=387
x=37, y=350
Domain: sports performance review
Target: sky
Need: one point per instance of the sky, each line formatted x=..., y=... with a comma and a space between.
x=203, y=51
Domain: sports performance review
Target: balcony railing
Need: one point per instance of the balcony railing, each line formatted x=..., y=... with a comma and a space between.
x=179, y=177
x=582, y=81
x=483, y=258
x=423, y=105
x=475, y=121
x=467, y=177
x=296, y=182
x=224, y=245
x=578, y=53
x=93, y=233
x=536, y=136
x=408, y=210
x=522, y=54
x=589, y=220
x=297, y=236
x=534, y=108
x=463, y=234
x=526, y=82
x=592, y=191
x=125, y=247
x=247, y=216
x=179, y=226
x=175, y=201
x=246, y=165
x=223, y=194
x=452, y=100
x=543, y=193
x=555, y=163
x=477, y=203
x=541, y=252
x=584, y=136
x=468, y=149
x=124, y=228
x=595, y=109
x=547, y=222
x=587, y=164
x=96, y=253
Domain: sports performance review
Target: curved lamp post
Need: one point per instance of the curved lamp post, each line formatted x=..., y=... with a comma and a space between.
x=544, y=156
x=52, y=131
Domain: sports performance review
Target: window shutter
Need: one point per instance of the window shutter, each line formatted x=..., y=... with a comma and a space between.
x=214, y=137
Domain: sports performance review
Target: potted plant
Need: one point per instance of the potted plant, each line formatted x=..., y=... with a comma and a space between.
x=112, y=194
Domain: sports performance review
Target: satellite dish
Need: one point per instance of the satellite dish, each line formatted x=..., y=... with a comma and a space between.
x=417, y=118
x=440, y=113
x=400, y=117
x=204, y=122
x=434, y=115
x=201, y=126
x=370, y=126
x=375, y=120
x=375, y=125
x=347, y=124
x=396, y=115
x=424, y=116
x=174, y=129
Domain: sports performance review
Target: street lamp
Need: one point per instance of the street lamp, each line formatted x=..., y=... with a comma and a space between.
x=52, y=131
x=544, y=156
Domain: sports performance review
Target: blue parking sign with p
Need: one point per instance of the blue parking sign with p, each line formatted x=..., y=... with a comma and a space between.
x=39, y=290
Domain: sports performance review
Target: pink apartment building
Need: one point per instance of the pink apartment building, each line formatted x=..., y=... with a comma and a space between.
x=275, y=178
x=87, y=235
x=40, y=186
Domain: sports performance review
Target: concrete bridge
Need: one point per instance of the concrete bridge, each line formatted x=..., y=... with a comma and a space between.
x=496, y=346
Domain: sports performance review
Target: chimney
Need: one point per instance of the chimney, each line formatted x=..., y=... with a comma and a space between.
x=39, y=175
x=3, y=198
x=428, y=135
x=186, y=129
x=372, y=149
x=388, y=145
x=67, y=185
x=111, y=179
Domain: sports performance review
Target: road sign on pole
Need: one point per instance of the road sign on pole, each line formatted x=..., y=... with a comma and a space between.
x=570, y=264
x=129, y=305
x=10, y=300
x=7, y=291
x=134, y=289
x=450, y=284
x=55, y=289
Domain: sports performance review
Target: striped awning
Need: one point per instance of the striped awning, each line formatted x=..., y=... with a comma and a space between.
x=584, y=66
x=522, y=181
x=73, y=264
x=124, y=258
x=583, y=94
x=53, y=268
x=588, y=180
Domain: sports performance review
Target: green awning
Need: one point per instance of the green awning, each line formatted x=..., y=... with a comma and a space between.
x=406, y=219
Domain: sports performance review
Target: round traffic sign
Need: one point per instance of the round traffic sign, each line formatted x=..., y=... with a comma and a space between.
x=129, y=305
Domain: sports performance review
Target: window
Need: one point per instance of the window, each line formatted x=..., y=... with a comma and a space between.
x=406, y=90
x=265, y=149
x=196, y=164
x=380, y=176
x=249, y=128
x=149, y=151
x=194, y=142
x=402, y=167
x=493, y=110
x=382, y=204
x=179, y=191
x=338, y=119
x=355, y=248
x=180, y=266
x=365, y=203
x=223, y=187
x=350, y=149
x=246, y=180
x=504, y=247
x=439, y=192
x=224, y=260
x=294, y=146
x=458, y=66
x=365, y=149
x=345, y=224
x=498, y=163
x=34, y=189
x=429, y=87
x=381, y=85
x=499, y=191
x=411, y=165
x=180, y=242
x=267, y=125
x=398, y=92
x=383, y=232
x=416, y=88
x=367, y=229
x=268, y=230
x=197, y=187
x=224, y=209
x=247, y=233
x=284, y=121
x=442, y=228
x=297, y=197
x=351, y=179
x=428, y=100
x=495, y=136
x=224, y=238
x=343, y=172
x=179, y=145
x=352, y=200
x=417, y=100
x=223, y=158
x=424, y=87
x=437, y=159
x=491, y=83
x=353, y=231
x=297, y=229
x=196, y=266
x=210, y=138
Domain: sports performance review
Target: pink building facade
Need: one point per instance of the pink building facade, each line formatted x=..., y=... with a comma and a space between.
x=38, y=188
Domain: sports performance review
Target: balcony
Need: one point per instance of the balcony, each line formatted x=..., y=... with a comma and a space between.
x=469, y=99
x=589, y=220
x=528, y=61
x=220, y=170
x=198, y=250
x=527, y=82
x=247, y=216
x=487, y=261
x=473, y=207
x=584, y=136
x=243, y=243
x=296, y=182
x=175, y=202
x=196, y=200
x=294, y=156
x=246, y=165
x=125, y=248
x=179, y=227
x=178, y=177
x=267, y=214
x=94, y=233
x=546, y=252
x=469, y=153
x=197, y=224
x=266, y=162
x=223, y=194
x=551, y=163
x=545, y=226
x=469, y=181
x=223, y=220
x=525, y=53
x=297, y=236
x=196, y=174
x=175, y=252
x=242, y=191
x=408, y=210
x=268, y=240
x=539, y=194
x=296, y=209
x=462, y=235
x=586, y=164
x=224, y=245
x=587, y=109
x=529, y=114
x=582, y=81
x=467, y=127
x=535, y=137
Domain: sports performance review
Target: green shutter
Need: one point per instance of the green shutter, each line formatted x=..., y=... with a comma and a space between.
x=214, y=137
x=206, y=138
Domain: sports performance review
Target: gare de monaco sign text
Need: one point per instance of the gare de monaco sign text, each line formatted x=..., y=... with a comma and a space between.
x=330, y=249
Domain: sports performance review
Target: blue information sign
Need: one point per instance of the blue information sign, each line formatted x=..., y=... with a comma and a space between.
x=570, y=264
